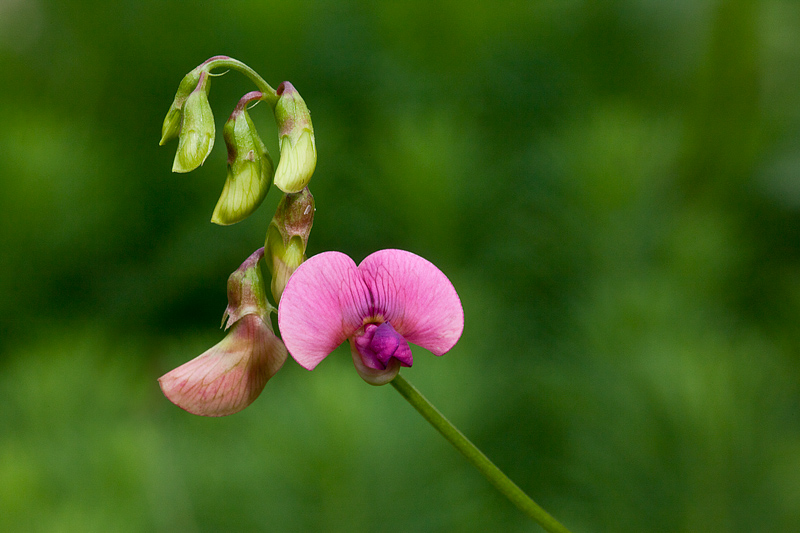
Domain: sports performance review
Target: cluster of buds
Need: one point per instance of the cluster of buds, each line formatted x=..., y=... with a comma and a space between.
x=250, y=168
x=250, y=354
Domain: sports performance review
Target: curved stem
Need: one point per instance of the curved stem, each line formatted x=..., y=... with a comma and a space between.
x=496, y=476
x=269, y=94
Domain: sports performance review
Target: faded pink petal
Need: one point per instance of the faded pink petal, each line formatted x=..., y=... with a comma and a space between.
x=324, y=303
x=229, y=376
x=415, y=297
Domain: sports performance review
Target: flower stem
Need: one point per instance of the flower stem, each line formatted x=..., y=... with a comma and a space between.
x=496, y=476
x=269, y=94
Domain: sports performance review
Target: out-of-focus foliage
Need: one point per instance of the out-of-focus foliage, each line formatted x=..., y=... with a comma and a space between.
x=613, y=188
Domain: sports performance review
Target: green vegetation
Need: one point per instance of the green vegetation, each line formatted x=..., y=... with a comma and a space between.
x=613, y=188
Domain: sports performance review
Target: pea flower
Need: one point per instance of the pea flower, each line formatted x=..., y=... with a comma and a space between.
x=392, y=298
x=229, y=376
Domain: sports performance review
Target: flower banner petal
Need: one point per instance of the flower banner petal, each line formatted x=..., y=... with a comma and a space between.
x=324, y=303
x=415, y=297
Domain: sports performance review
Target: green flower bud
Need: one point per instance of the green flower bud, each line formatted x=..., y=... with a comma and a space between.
x=287, y=238
x=172, y=122
x=196, y=138
x=246, y=295
x=296, y=137
x=249, y=167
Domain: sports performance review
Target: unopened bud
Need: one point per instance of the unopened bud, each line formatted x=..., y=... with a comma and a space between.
x=249, y=167
x=287, y=238
x=172, y=122
x=246, y=294
x=196, y=137
x=296, y=137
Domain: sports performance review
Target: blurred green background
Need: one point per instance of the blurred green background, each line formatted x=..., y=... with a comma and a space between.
x=613, y=188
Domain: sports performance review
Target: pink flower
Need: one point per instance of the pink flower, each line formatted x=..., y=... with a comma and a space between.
x=392, y=298
x=229, y=376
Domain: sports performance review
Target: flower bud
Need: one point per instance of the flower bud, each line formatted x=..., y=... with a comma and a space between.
x=296, y=138
x=249, y=167
x=246, y=294
x=228, y=377
x=287, y=238
x=196, y=137
x=172, y=122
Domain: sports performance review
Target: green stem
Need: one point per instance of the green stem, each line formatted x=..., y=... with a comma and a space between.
x=496, y=476
x=270, y=95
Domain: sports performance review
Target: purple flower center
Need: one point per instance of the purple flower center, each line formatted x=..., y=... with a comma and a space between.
x=379, y=343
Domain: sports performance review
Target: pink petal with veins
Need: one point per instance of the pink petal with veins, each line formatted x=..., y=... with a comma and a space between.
x=324, y=303
x=415, y=297
x=229, y=376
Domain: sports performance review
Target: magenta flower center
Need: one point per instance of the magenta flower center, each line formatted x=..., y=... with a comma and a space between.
x=379, y=343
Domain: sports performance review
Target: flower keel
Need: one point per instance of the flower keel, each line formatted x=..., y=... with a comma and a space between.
x=380, y=343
